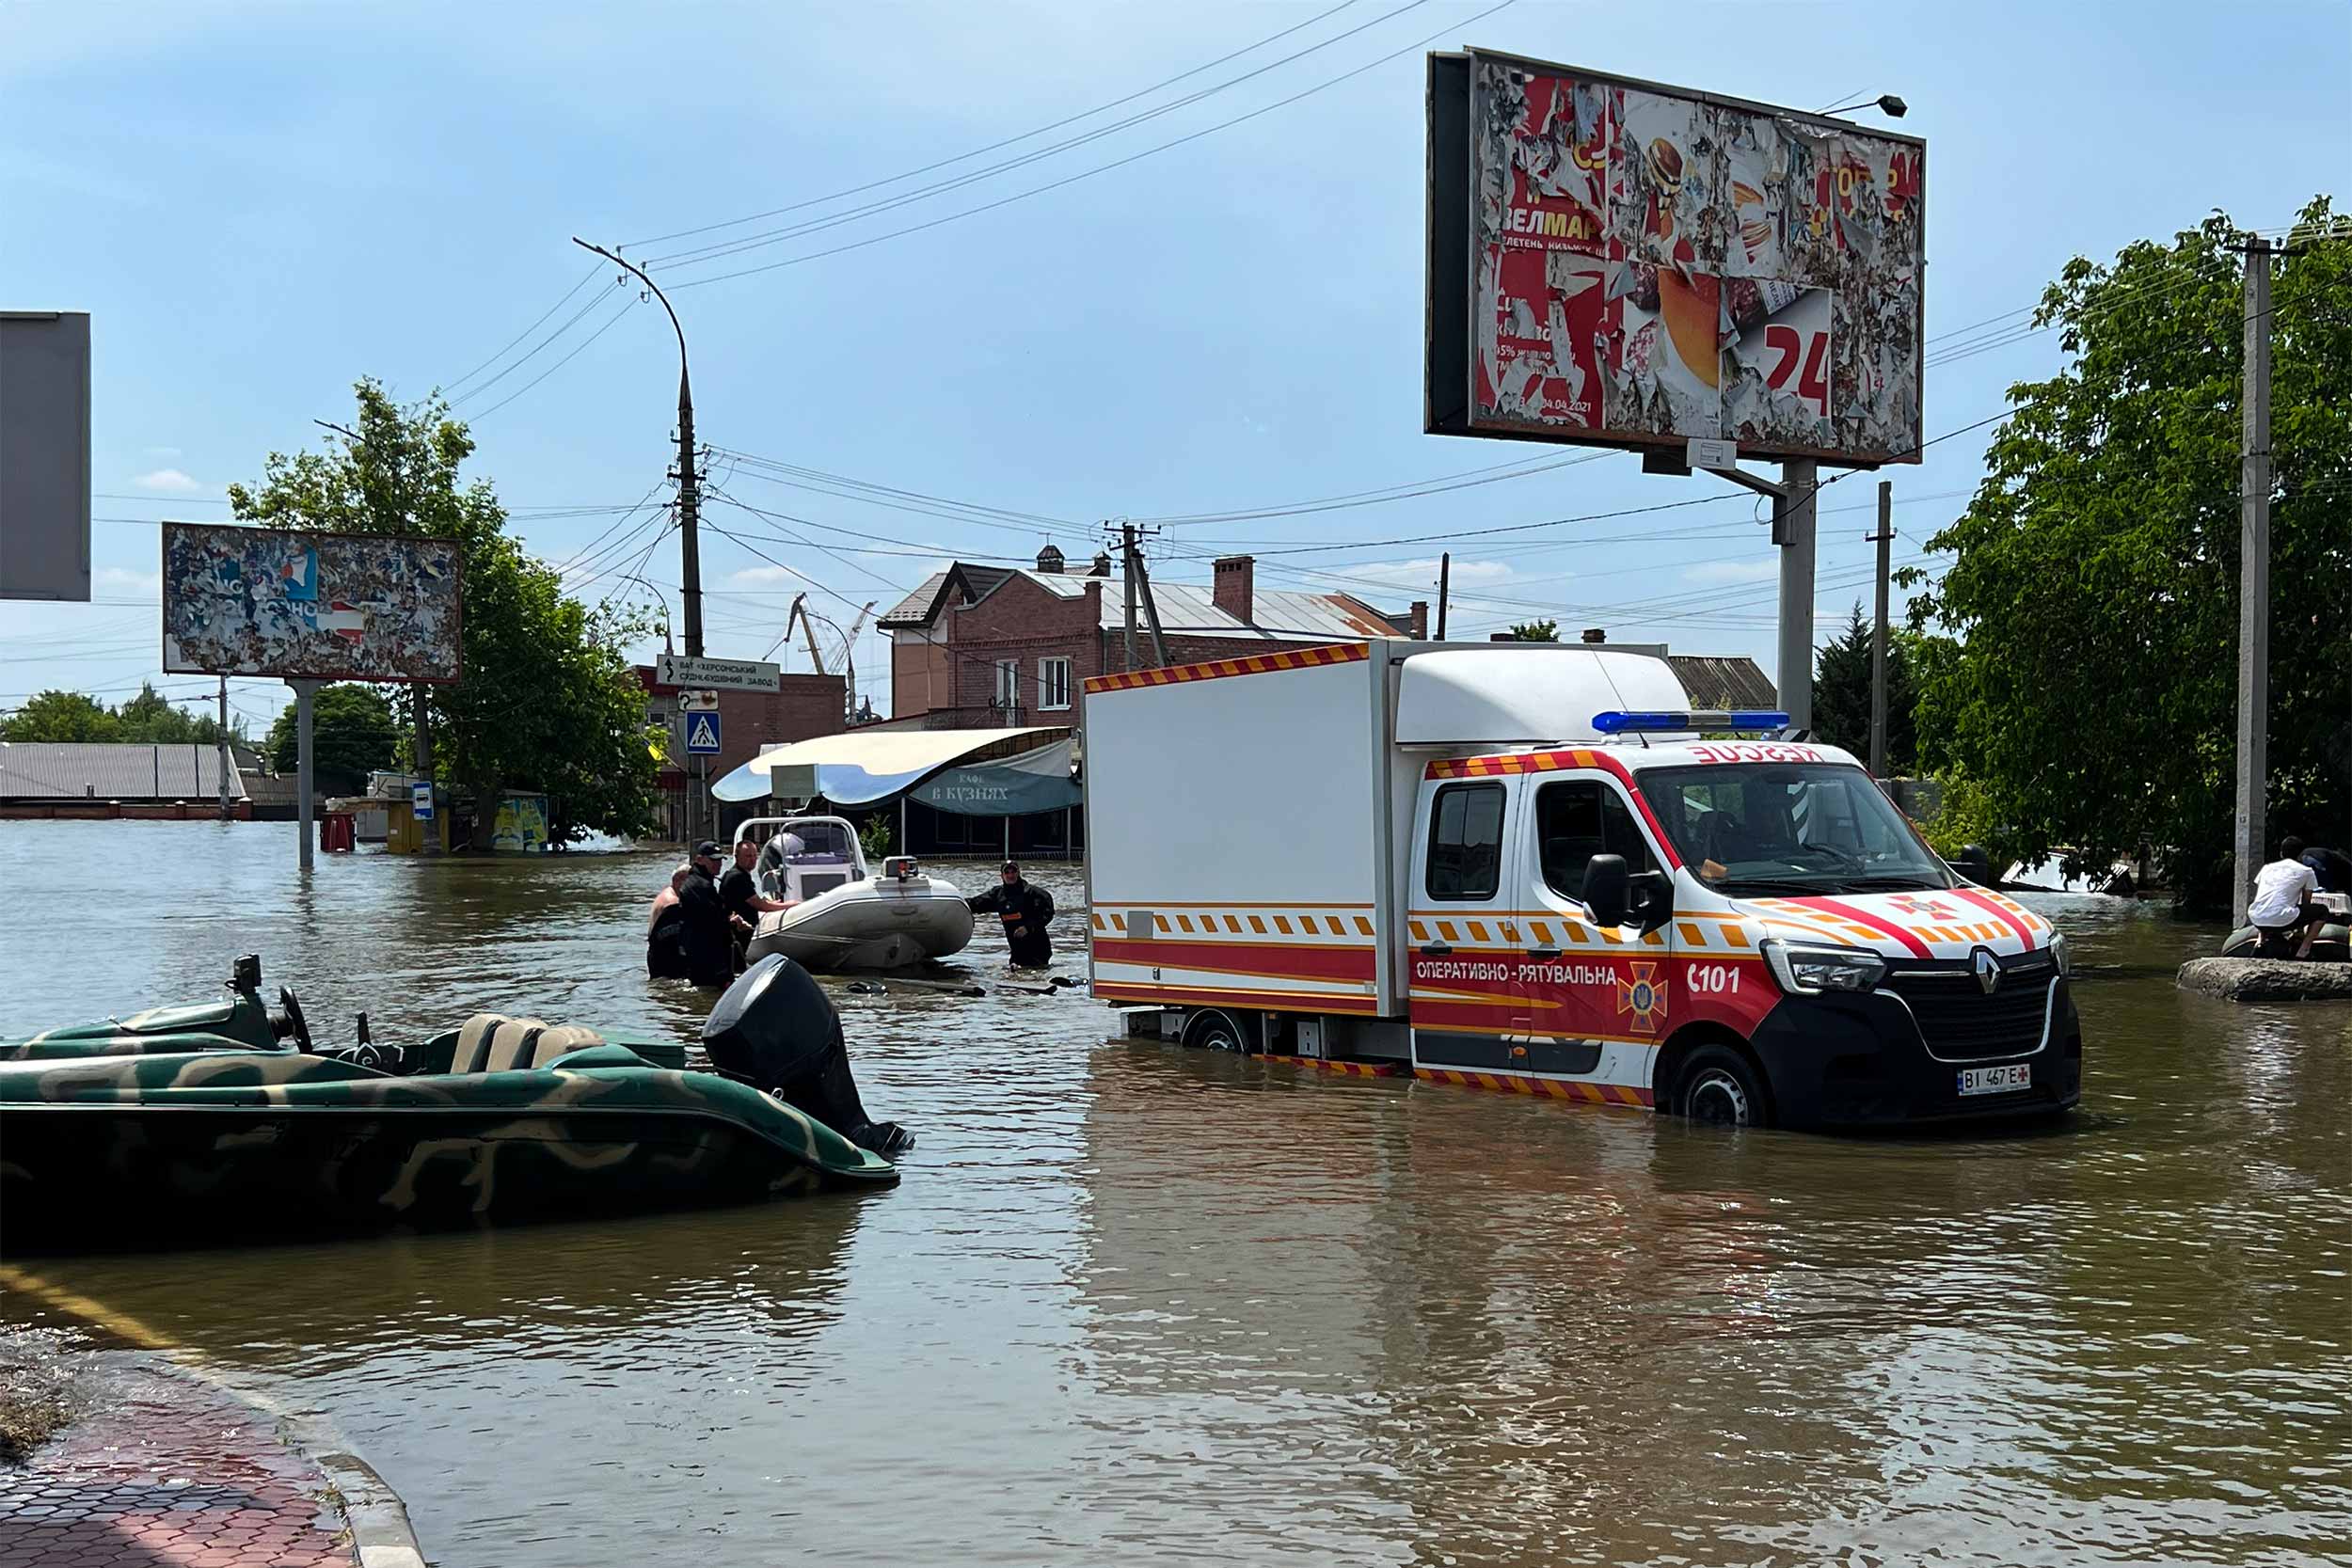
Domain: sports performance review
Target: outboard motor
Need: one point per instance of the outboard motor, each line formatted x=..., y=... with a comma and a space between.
x=776, y=1030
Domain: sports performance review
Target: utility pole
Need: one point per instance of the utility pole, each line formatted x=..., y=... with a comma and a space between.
x=224, y=749
x=1793, y=531
x=304, y=826
x=1127, y=558
x=688, y=480
x=1151, y=606
x=1445, y=579
x=1884, y=539
x=2253, y=587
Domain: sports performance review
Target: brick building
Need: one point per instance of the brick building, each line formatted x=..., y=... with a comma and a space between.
x=749, y=723
x=976, y=648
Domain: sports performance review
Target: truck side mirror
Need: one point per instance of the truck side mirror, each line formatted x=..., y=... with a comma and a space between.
x=1606, y=889
x=1651, y=895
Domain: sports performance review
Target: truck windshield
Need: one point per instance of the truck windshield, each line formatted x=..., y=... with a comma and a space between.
x=1747, y=828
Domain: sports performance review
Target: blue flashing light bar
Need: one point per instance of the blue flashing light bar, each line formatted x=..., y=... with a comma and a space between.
x=1741, y=721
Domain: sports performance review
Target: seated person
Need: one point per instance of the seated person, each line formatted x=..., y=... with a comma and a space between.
x=2283, y=907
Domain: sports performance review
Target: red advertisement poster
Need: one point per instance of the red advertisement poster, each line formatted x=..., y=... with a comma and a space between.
x=1540, y=356
x=1555, y=164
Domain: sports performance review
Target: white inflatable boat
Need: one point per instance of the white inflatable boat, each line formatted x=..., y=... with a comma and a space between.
x=841, y=917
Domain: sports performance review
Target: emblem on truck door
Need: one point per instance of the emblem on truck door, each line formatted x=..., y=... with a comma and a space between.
x=1644, y=996
x=1987, y=970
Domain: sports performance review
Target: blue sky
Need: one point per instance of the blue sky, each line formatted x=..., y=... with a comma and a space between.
x=258, y=203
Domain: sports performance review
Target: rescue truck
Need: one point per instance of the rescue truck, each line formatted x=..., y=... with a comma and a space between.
x=1532, y=867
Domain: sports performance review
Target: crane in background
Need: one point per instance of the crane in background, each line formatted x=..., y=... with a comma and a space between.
x=807, y=620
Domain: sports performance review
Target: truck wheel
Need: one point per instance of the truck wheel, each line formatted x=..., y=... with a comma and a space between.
x=1216, y=1031
x=1720, y=1087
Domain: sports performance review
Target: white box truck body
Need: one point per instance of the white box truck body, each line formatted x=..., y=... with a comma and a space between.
x=1519, y=866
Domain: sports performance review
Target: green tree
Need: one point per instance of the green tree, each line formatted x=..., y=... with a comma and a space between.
x=1536, y=631
x=549, y=700
x=148, y=717
x=2088, y=697
x=1841, y=695
x=353, y=733
x=62, y=716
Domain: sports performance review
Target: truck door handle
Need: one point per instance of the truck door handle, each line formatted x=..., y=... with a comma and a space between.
x=1546, y=954
x=1436, y=949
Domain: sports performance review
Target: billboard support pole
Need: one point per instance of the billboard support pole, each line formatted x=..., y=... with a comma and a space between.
x=304, y=692
x=223, y=760
x=1794, y=670
x=1445, y=576
x=2253, y=590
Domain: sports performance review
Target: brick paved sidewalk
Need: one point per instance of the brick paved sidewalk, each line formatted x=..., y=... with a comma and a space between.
x=165, y=1472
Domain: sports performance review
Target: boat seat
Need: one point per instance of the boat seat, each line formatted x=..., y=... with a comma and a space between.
x=511, y=1043
x=473, y=1042
x=562, y=1041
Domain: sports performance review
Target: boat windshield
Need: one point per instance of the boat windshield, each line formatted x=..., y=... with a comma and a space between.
x=820, y=843
x=1789, y=828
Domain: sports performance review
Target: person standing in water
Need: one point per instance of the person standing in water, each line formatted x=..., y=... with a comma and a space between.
x=1025, y=908
x=665, y=930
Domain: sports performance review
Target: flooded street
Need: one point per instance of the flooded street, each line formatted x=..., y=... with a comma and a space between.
x=1137, y=1304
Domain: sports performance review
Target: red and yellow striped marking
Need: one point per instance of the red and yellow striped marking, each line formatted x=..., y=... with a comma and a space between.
x=1252, y=665
x=1173, y=992
x=1510, y=763
x=1547, y=1089
x=1345, y=1069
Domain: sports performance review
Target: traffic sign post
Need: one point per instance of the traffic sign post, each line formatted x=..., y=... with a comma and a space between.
x=698, y=702
x=702, y=735
x=421, y=802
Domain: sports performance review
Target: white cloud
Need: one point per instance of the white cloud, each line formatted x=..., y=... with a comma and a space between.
x=766, y=577
x=171, y=480
x=1732, y=571
x=1464, y=575
x=150, y=583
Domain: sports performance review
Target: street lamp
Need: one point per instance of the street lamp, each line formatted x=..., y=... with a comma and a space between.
x=1887, y=104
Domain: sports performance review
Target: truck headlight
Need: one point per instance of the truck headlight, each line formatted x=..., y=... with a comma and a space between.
x=1810, y=971
x=2058, y=954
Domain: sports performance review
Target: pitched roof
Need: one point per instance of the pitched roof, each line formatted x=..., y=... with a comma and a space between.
x=1278, y=616
x=1723, y=683
x=119, y=770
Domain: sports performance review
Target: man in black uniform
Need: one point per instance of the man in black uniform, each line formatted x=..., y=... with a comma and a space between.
x=1025, y=908
x=738, y=890
x=709, y=938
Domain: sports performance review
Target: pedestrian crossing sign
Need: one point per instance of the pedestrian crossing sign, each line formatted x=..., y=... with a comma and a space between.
x=702, y=735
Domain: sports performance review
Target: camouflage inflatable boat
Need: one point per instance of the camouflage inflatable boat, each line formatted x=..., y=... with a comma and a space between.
x=222, y=1120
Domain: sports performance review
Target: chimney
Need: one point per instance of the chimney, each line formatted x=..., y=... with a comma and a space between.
x=1101, y=567
x=1049, y=559
x=1234, y=589
x=1417, y=621
x=1596, y=635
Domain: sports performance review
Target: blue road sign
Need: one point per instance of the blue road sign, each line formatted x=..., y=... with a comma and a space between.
x=421, y=802
x=702, y=735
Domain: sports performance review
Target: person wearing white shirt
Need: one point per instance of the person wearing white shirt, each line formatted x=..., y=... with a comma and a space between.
x=2283, y=906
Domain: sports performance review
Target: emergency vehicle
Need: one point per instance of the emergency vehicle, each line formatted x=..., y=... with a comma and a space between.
x=1526, y=867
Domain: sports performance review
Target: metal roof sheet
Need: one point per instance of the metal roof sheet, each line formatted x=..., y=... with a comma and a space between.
x=117, y=771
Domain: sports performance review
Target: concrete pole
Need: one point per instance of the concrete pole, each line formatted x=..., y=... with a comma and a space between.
x=304, y=692
x=1884, y=538
x=1799, y=477
x=1127, y=555
x=222, y=762
x=2253, y=588
x=1445, y=582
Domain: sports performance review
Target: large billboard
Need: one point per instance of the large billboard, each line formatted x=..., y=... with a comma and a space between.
x=333, y=607
x=1612, y=263
x=44, y=454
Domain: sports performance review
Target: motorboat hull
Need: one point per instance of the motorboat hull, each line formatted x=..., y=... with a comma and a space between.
x=878, y=924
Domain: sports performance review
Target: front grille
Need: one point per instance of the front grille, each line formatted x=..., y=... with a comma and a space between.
x=1959, y=1023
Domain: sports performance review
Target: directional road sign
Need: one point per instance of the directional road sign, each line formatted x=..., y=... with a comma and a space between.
x=698, y=702
x=702, y=735
x=732, y=674
x=421, y=802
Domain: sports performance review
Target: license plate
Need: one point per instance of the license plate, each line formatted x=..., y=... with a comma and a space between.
x=1996, y=1080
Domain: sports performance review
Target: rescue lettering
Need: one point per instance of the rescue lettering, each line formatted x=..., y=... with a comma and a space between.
x=1753, y=752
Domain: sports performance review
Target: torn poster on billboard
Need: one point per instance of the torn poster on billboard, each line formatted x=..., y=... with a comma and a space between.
x=251, y=601
x=1650, y=264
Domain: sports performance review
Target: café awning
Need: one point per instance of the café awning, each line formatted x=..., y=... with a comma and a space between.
x=858, y=768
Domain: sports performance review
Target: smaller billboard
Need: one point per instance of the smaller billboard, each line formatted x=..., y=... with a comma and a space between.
x=304, y=606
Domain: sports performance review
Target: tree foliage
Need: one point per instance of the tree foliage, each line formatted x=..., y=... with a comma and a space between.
x=1841, y=695
x=549, y=700
x=1536, y=631
x=354, y=731
x=146, y=718
x=2088, y=697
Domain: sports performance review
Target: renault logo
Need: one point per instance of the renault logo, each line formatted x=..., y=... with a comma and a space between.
x=1987, y=970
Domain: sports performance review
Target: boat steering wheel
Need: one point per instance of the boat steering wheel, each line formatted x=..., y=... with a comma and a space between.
x=295, y=1025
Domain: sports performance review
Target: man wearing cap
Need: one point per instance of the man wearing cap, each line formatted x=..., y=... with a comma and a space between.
x=709, y=938
x=1025, y=908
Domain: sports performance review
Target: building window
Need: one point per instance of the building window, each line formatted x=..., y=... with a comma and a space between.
x=1052, y=683
x=1007, y=682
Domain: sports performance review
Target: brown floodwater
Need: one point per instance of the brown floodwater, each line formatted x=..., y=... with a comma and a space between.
x=1136, y=1305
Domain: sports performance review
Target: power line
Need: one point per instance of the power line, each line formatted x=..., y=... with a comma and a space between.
x=961, y=157
x=1102, y=168
x=452, y=387
x=541, y=347
x=610, y=322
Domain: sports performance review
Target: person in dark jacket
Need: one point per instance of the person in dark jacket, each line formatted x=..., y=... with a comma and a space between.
x=709, y=936
x=666, y=930
x=1025, y=909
